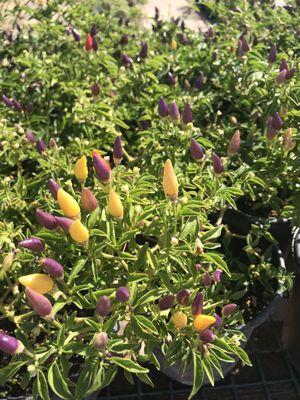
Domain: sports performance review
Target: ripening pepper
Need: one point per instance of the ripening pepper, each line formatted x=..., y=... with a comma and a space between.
x=179, y=319
x=163, y=108
x=234, y=144
x=88, y=200
x=122, y=294
x=30, y=136
x=197, y=304
x=196, y=150
x=170, y=182
x=68, y=204
x=46, y=219
x=228, y=309
x=40, y=145
x=217, y=164
x=40, y=283
x=53, y=267
x=183, y=297
x=64, y=223
x=117, y=151
x=166, y=302
x=103, y=306
x=79, y=232
x=33, y=243
x=80, y=169
x=273, y=54
x=40, y=304
x=10, y=345
x=88, y=42
x=207, y=336
x=174, y=112
x=202, y=322
x=100, y=341
x=115, y=207
x=187, y=115
x=101, y=168
x=53, y=187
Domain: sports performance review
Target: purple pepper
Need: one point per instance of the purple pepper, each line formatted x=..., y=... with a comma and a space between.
x=183, y=297
x=170, y=78
x=163, y=108
x=53, y=267
x=64, y=223
x=17, y=105
x=207, y=336
x=144, y=50
x=40, y=145
x=290, y=73
x=199, y=82
x=245, y=44
x=33, y=243
x=197, y=305
x=145, y=124
x=166, y=302
x=228, y=309
x=217, y=275
x=187, y=114
x=76, y=35
x=219, y=321
x=196, y=150
x=88, y=200
x=95, y=89
x=207, y=279
x=53, y=187
x=277, y=122
x=122, y=294
x=217, y=164
x=239, y=50
x=30, y=136
x=273, y=54
x=126, y=60
x=124, y=39
x=7, y=101
x=9, y=344
x=40, y=304
x=94, y=43
x=100, y=341
x=280, y=78
x=93, y=31
x=103, y=306
x=283, y=65
x=271, y=131
x=46, y=219
x=174, y=112
x=101, y=170
x=118, y=151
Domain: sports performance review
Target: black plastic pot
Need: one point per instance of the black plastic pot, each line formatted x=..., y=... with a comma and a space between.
x=296, y=248
x=92, y=396
x=175, y=371
x=280, y=228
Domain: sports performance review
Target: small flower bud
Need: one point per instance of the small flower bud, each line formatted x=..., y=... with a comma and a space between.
x=271, y=131
x=228, y=309
x=103, y=306
x=53, y=144
x=9, y=103
x=122, y=294
x=100, y=341
x=183, y=297
x=198, y=267
x=46, y=219
x=40, y=304
x=197, y=304
x=126, y=60
x=280, y=78
x=33, y=243
x=245, y=44
x=124, y=39
x=93, y=31
x=166, y=302
x=290, y=73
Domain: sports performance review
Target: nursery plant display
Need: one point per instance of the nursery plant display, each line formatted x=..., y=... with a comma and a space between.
x=139, y=171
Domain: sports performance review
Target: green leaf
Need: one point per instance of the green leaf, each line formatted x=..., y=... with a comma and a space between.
x=129, y=365
x=145, y=378
x=198, y=374
x=217, y=260
x=61, y=336
x=212, y=233
x=208, y=370
x=42, y=386
x=141, y=330
x=80, y=263
x=57, y=382
x=10, y=370
x=149, y=297
x=241, y=354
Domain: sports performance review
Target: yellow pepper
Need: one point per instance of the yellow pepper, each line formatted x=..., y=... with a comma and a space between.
x=170, y=182
x=179, y=320
x=68, y=204
x=79, y=232
x=40, y=283
x=202, y=322
x=174, y=44
x=80, y=169
x=115, y=207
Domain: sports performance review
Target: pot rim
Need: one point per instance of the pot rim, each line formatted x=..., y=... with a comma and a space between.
x=295, y=248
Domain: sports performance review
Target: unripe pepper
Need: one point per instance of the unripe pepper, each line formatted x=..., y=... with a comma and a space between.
x=64, y=223
x=17, y=105
x=228, y=309
x=40, y=304
x=283, y=65
x=79, y=232
x=122, y=294
x=10, y=345
x=95, y=45
x=277, y=122
x=80, y=169
x=179, y=319
x=40, y=145
x=273, y=54
x=170, y=78
x=271, y=131
x=163, y=108
x=103, y=306
x=115, y=207
x=93, y=30
x=207, y=279
x=199, y=82
x=9, y=103
x=102, y=168
x=96, y=89
x=197, y=305
x=88, y=42
x=166, y=302
x=245, y=44
x=170, y=182
x=239, y=50
x=174, y=112
x=53, y=187
x=45, y=219
x=217, y=164
x=183, y=297
x=30, y=136
x=234, y=143
x=290, y=73
x=187, y=115
x=124, y=39
x=33, y=243
x=207, y=336
x=202, y=322
x=196, y=150
x=126, y=60
x=118, y=151
x=40, y=283
x=144, y=50
x=100, y=341
x=68, y=204
x=88, y=200
x=217, y=275
x=53, y=267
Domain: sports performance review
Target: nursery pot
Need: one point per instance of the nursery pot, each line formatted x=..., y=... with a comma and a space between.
x=296, y=249
x=280, y=228
x=175, y=371
x=92, y=396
